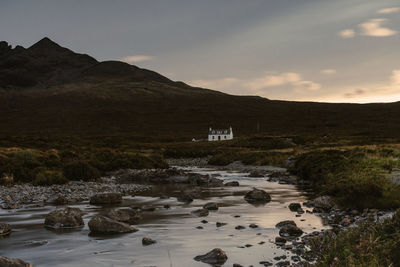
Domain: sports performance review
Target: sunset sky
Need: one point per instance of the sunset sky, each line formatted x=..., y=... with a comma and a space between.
x=307, y=50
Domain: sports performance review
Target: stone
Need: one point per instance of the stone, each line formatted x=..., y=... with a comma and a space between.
x=204, y=221
x=211, y=206
x=233, y=183
x=253, y=225
x=147, y=208
x=285, y=223
x=8, y=262
x=325, y=203
x=256, y=174
x=60, y=200
x=215, y=256
x=294, y=206
x=103, y=225
x=345, y=222
x=64, y=218
x=5, y=229
x=282, y=263
x=186, y=198
x=146, y=241
x=106, y=198
x=237, y=265
x=220, y=224
x=240, y=227
x=200, y=212
x=280, y=240
x=266, y=263
x=166, y=206
x=257, y=196
x=129, y=216
x=290, y=231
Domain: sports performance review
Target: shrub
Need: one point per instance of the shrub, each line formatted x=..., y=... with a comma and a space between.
x=80, y=170
x=49, y=177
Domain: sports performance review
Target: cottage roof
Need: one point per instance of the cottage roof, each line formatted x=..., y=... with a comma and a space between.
x=220, y=131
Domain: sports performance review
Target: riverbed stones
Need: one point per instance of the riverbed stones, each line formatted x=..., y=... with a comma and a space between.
x=294, y=206
x=211, y=206
x=59, y=200
x=257, y=196
x=8, y=262
x=129, y=216
x=240, y=227
x=220, y=224
x=256, y=174
x=102, y=225
x=146, y=241
x=200, y=212
x=280, y=240
x=253, y=225
x=290, y=231
x=186, y=198
x=106, y=198
x=5, y=229
x=215, y=256
x=285, y=223
x=64, y=218
x=233, y=183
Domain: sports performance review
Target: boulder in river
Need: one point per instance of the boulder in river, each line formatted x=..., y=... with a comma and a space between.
x=59, y=200
x=106, y=198
x=285, y=223
x=233, y=183
x=129, y=216
x=8, y=262
x=256, y=174
x=211, y=206
x=185, y=197
x=215, y=256
x=200, y=212
x=257, y=196
x=102, y=225
x=146, y=241
x=294, y=206
x=290, y=231
x=5, y=229
x=64, y=218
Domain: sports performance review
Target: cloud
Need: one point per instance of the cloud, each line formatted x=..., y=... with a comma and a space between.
x=136, y=58
x=389, y=10
x=328, y=71
x=256, y=85
x=395, y=78
x=374, y=27
x=355, y=93
x=347, y=33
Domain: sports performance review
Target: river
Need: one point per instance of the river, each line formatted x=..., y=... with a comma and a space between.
x=175, y=229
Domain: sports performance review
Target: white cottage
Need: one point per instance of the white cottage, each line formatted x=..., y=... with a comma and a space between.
x=219, y=135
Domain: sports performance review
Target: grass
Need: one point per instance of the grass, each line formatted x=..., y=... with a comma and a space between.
x=368, y=244
x=357, y=178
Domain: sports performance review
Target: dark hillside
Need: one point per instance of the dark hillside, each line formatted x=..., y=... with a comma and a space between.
x=49, y=90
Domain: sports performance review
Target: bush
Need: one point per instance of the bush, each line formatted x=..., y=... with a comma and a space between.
x=49, y=177
x=80, y=170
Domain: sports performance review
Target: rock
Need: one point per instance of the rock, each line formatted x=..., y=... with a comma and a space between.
x=326, y=203
x=204, y=221
x=5, y=229
x=103, y=225
x=248, y=245
x=237, y=265
x=285, y=223
x=220, y=224
x=200, y=212
x=215, y=256
x=282, y=263
x=266, y=263
x=200, y=227
x=146, y=241
x=256, y=174
x=240, y=227
x=294, y=206
x=166, y=206
x=345, y=222
x=59, y=200
x=64, y=218
x=233, y=183
x=106, y=198
x=129, y=216
x=290, y=231
x=211, y=206
x=204, y=180
x=37, y=243
x=257, y=196
x=280, y=240
x=147, y=208
x=8, y=262
x=187, y=198
x=253, y=225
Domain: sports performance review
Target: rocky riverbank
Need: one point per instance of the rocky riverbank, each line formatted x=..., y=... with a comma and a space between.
x=16, y=196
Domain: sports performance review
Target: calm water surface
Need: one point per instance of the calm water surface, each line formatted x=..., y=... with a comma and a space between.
x=178, y=240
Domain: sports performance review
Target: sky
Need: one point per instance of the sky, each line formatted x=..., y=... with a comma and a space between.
x=303, y=50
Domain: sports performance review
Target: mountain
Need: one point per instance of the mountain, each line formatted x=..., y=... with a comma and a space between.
x=49, y=90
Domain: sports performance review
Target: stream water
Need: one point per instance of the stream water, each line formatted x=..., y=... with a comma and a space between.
x=174, y=229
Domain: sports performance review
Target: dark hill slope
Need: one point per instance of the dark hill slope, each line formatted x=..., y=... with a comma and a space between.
x=50, y=90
